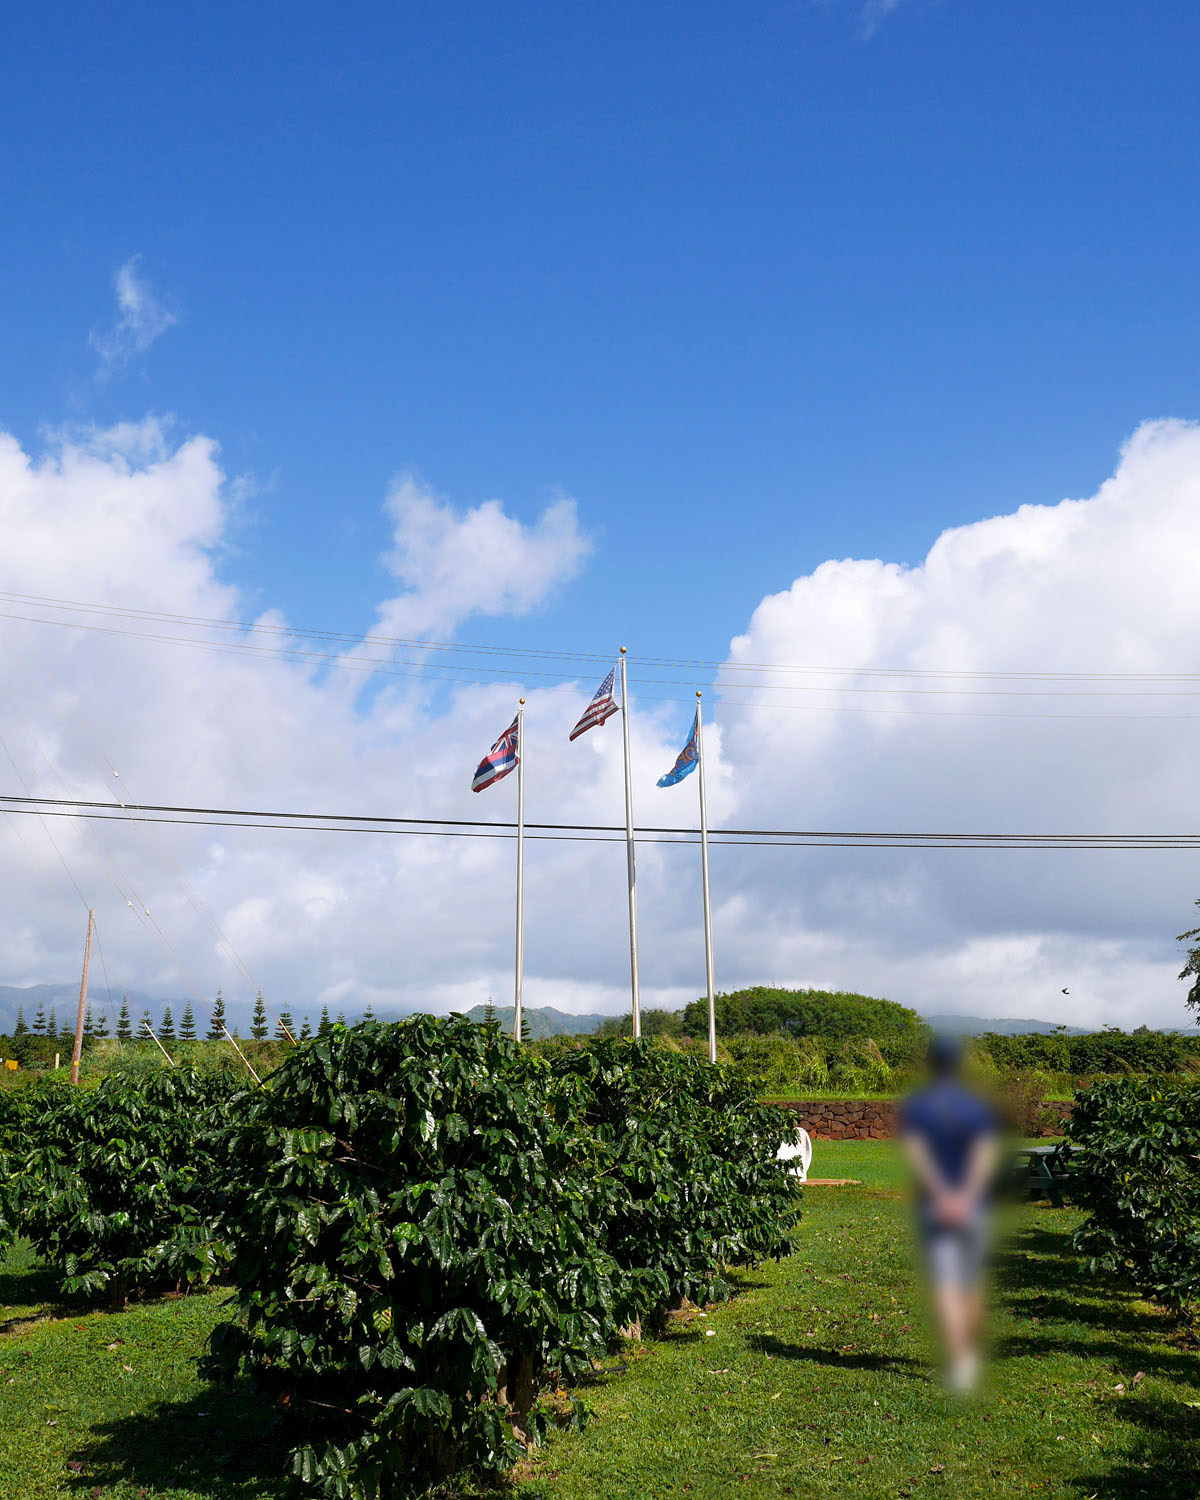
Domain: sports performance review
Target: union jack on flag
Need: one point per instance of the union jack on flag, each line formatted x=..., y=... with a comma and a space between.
x=600, y=708
x=499, y=761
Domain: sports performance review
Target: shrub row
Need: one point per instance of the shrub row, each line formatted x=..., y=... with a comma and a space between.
x=423, y=1223
x=1135, y=1165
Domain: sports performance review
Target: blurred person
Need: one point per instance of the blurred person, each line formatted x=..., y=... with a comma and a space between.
x=949, y=1135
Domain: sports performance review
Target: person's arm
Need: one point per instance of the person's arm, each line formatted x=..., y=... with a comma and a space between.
x=924, y=1166
x=980, y=1166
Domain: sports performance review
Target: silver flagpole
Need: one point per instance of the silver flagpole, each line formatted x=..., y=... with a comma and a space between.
x=520, y=950
x=630, y=861
x=708, y=946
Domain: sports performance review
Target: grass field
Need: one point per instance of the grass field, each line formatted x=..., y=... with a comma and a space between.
x=816, y=1381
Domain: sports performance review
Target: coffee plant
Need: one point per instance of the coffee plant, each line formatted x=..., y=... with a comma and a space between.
x=1135, y=1166
x=418, y=1231
x=693, y=1155
x=116, y=1185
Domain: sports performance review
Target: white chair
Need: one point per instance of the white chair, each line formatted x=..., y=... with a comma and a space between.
x=798, y=1152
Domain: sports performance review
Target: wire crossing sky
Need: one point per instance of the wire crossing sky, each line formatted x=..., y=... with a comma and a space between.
x=365, y=373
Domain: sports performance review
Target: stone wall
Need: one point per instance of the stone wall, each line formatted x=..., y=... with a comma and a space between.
x=846, y=1119
x=866, y=1119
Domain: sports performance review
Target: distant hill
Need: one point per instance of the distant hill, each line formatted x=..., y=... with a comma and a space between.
x=543, y=1021
x=64, y=998
x=977, y=1025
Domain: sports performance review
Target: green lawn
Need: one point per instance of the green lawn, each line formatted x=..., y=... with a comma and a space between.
x=815, y=1382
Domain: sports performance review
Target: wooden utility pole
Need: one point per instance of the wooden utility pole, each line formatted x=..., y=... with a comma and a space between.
x=87, y=958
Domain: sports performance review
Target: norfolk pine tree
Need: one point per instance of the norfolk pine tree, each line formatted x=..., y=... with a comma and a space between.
x=216, y=1028
x=259, y=1029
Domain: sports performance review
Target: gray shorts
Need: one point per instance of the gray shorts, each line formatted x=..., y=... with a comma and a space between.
x=955, y=1257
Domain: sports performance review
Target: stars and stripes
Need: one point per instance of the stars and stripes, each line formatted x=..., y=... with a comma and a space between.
x=599, y=709
x=499, y=761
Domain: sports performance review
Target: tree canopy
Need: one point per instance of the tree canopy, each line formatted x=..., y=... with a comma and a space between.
x=831, y=1013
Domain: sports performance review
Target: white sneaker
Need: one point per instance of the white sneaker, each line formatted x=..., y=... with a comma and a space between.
x=964, y=1373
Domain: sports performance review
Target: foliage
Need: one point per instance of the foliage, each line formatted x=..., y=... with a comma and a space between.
x=114, y=1185
x=1093, y=1052
x=654, y=1023
x=694, y=1156
x=14, y=1139
x=417, y=1233
x=1135, y=1166
x=804, y=1013
x=1191, y=969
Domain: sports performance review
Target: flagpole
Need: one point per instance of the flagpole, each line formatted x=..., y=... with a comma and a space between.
x=708, y=943
x=520, y=944
x=630, y=861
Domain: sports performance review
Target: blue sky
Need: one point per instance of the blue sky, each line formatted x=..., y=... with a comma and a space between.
x=759, y=287
x=754, y=286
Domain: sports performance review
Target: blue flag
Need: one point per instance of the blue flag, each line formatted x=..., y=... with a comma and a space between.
x=688, y=758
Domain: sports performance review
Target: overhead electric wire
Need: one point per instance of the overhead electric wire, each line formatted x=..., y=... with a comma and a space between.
x=355, y=640
x=203, y=817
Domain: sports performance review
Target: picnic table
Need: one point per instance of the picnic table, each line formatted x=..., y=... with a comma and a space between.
x=1037, y=1170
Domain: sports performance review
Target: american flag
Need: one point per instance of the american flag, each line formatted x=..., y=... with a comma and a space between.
x=600, y=708
x=499, y=761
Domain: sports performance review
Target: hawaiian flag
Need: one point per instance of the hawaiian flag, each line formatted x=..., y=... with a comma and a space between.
x=600, y=708
x=499, y=761
x=687, y=759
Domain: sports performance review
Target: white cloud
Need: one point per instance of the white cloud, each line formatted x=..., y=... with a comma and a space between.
x=874, y=14
x=132, y=517
x=477, y=562
x=140, y=319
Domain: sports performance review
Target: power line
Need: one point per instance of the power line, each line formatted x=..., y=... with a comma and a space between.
x=228, y=817
x=537, y=653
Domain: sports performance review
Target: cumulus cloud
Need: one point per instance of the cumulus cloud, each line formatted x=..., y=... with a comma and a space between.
x=136, y=518
x=455, y=564
x=1104, y=585
x=140, y=319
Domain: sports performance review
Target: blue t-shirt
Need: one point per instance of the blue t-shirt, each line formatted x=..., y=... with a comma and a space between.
x=949, y=1119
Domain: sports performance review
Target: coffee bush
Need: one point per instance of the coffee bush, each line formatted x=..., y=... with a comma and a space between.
x=417, y=1226
x=116, y=1185
x=693, y=1156
x=1135, y=1167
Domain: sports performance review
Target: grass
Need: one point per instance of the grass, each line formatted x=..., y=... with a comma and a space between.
x=817, y=1381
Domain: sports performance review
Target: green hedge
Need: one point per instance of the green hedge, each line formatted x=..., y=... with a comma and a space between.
x=1135, y=1163
x=116, y=1185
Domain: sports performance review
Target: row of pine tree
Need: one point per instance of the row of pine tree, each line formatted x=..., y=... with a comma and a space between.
x=124, y=1029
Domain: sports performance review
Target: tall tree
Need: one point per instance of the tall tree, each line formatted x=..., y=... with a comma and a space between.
x=284, y=1027
x=368, y=1014
x=341, y=1020
x=52, y=1024
x=259, y=1029
x=146, y=1026
x=39, y=1020
x=166, y=1029
x=325, y=1024
x=89, y=1026
x=216, y=1028
x=124, y=1024
x=305, y=1031
x=489, y=1013
x=1191, y=969
x=101, y=1026
x=20, y=1028
x=187, y=1024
